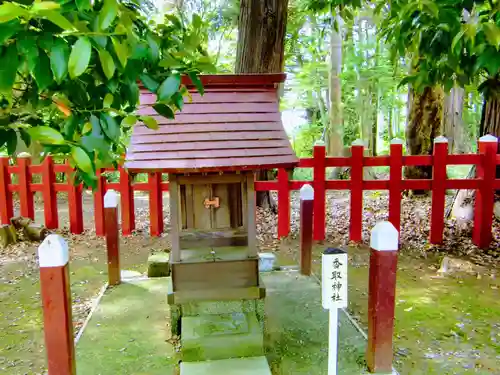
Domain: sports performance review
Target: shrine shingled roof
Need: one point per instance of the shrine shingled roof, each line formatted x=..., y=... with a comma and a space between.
x=235, y=125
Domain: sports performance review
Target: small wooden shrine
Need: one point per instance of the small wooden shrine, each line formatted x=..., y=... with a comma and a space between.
x=210, y=152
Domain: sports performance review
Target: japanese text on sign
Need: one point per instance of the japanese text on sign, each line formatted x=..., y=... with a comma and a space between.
x=334, y=279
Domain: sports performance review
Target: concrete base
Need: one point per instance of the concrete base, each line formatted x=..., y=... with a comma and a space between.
x=159, y=265
x=224, y=336
x=237, y=366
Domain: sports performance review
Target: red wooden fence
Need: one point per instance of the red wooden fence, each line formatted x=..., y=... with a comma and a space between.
x=485, y=184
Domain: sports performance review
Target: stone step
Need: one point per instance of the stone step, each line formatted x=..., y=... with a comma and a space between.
x=218, y=307
x=223, y=336
x=235, y=366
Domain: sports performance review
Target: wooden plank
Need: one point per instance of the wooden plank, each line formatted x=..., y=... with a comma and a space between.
x=251, y=222
x=237, y=80
x=215, y=275
x=221, y=96
x=244, y=205
x=194, y=242
x=209, y=145
x=201, y=214
x=189, y=205
x=174, y=214
x=202, y=179
x=219, y=118
x=222, y=213
x=211, y=127
x=196, y=137
x=209, y=108
x=235, y=198
x=208, y=154
x=221, y=294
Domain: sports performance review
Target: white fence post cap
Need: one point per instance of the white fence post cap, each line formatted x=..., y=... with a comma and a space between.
x=319, y=142
x=110, y=199
x=53, y=252
x=307, y=192
x=358, y=142
x=488, y=138
x=384, y=237
x=396, y=141
x=441, y=139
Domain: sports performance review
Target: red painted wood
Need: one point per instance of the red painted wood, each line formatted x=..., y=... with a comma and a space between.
x=337, y=162
x=483, y=209
x=164, y=186
x=296, y=185
x=25, y=194
x=57, y=320
x=36, y=168
x=283, y=204
x=463, y=159
x=395, y=184
x=99, y=204
x=127, y=202
x=376, y=161
x=211, y=127
x=112, y=244
x=238, y=80
x=155, y=204
x=74, y=203
x=338, y=185
x=356, y=224
x=440, y=155
x=417, y=160
x=468, y=184
x=49, y=194
x=417, y=184
x=204, y=145
x=266, y=185
x=306, y=236
x=381, y=303
x=319, y=172
x=376, y=185
x=226, y=96
x=306, y=163
x=6, y=204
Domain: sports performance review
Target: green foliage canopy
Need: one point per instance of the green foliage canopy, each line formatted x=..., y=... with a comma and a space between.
x=70, y=72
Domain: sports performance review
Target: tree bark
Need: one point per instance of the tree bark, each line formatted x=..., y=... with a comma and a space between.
x=335, y=133
x=424, y=125
x=452, y=121
x=261, y=49
x=490, y=117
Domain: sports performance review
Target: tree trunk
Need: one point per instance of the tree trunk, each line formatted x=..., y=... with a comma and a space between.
x=390, y=130
x=424, y=125
x=490, y=117
x=261, y=49
x=335, y=136
x=452, y=121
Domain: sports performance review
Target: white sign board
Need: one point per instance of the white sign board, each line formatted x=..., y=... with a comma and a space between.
x=334, y=279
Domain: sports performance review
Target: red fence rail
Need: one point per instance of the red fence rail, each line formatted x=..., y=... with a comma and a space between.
x=485, y=184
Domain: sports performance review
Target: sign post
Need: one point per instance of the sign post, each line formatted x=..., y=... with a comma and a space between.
x=334, y=297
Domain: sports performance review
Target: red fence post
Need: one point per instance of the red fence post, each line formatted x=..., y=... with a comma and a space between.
x=53, y=258
x=127, y=202
x=6, y=204
x=155, y=204
x=355, y=227
x=395, y=182
x=319, y=178
x=306, y=228
x=49, y=194
x=283, y=203
x=438, y=189
x=25, y=193
x=74, y=203
x=381, y=296
x=483, y=210
x=99, y=203
x=112, y=236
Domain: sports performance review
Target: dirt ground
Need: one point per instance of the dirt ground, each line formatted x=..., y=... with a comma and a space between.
x=447, y=325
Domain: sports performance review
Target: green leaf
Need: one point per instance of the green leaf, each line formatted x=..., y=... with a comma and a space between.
x=7, y=30
x=121, y=51
x=27, y=47
x=154, y=48
x=25, y=136
x=82, y=159
x=129, y=121
x=178, y=100
x=175, y=20
x=59, y=55
x=11, y=141
x=42, y=71
x=197, y=22
x=457, y=38
x=110, y=127
x=107, y=14
x=80, y=57
x=83, y=5
x=87, y=128
x=108, y=100
x=169, y=61
x=57, y=18
x=46, y=135
x=10, y=10
x=107, y=63
x=197, y=82
x=45, y=5
x=9, y=62
x=169, y=87
x=150, y=83
x=164, y=110
x=492, y=33
x=150, y=122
